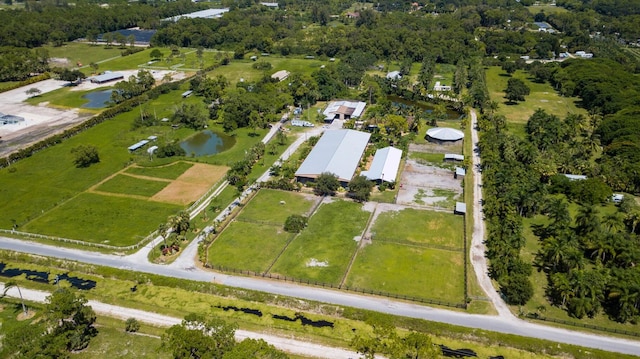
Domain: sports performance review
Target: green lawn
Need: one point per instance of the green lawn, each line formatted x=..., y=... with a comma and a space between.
x=132, y=185
x=328, y=239
x=547, y=9
x=102, y=219
x=83, y=53
x=171, y=171
x=542, y=96
x=113, y=342
x=409, y=270
x=420, y=227
x=238, y=69
x=66, y=98
x=266, y=206
x=248, y=246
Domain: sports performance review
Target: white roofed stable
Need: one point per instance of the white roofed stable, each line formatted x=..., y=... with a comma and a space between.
x=385, y=164
x=343, y=110
x=206, y=14
x=444, y=135
x=337, y=152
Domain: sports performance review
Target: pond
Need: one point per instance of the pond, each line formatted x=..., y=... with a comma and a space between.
x=207, y=143
x=401, y=102
x=97, y=99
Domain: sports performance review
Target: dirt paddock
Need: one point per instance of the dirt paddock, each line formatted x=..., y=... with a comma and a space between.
x=191, y=185
x=420, y=181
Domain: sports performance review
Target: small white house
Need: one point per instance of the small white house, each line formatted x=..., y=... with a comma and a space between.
x=439, y=87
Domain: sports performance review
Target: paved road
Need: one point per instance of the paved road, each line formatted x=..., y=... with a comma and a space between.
x=494, y=323
x=184, y=268
x=286, y=344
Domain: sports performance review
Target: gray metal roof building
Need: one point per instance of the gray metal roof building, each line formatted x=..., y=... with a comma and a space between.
x=337, y=152
x=106, y=77
x=385, y=165
x=205, y=14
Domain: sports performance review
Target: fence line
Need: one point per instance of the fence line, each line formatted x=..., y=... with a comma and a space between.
x=337, y=286
x=75, y=241
x=582, y=325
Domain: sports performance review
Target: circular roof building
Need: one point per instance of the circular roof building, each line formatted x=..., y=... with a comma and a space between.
x=444, y=135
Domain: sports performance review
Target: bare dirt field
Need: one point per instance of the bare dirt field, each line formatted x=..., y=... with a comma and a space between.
x=191, y=185
x=418, y=183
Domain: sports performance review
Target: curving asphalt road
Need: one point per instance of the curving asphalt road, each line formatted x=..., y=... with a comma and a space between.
x=184, y=268
x=493, y=323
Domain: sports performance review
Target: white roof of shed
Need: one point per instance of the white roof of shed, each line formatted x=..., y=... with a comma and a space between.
x=445, y=134
x=337, y=152
x=207, y=14
x=453, y=156
x=385, y=165
x=334, y=107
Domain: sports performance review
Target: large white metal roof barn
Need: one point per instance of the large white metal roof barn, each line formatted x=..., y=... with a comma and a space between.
x=385, y=165
x=337, y=152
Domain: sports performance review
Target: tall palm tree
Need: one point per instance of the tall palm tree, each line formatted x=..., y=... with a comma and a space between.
x=11, y=284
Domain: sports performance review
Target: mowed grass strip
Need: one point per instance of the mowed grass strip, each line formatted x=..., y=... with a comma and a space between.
x=132, y=185
x=417, y=227
x=248, y=246
x=542, y=96
x=171, y=171
x=266, y=206
x=96, y=218
x=409, y=270
x=328, y=239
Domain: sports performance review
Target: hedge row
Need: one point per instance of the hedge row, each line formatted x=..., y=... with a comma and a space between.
x=29, y=81
x=103, y=116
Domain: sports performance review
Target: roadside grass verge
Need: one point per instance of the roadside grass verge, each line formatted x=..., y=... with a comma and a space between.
x=267, y=207
x=328, y=239
x=102, y=219
x=171, y=296
x=171, y=171
x=132, y=185
x=419, y=227
x=542, y=96
x=409, y=270
x=248, y=246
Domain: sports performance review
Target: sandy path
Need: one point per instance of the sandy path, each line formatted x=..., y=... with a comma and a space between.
x=478, y=259
x=286, y=344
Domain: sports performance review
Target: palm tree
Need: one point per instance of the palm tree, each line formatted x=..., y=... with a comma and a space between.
x=613, y=222
x=162, y=231
x=11, y=284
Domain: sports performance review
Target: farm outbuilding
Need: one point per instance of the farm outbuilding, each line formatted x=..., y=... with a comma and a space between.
x=444, y=135
x=337, y=152
x=107, y=76
x=452, y=157
x=385, y=165
x=343, y=110
x=280, y=75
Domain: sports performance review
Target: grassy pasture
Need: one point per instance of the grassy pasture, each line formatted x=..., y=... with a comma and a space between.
x=238, y=69
x=328, y=238
x=411, y=226
x=102, y=219
x=171, y=171
x=132, y=185
x=66, y=98
x=542, y=96
x=250, y=246
x=409, y=270
x=83, y=53
x=266, y=207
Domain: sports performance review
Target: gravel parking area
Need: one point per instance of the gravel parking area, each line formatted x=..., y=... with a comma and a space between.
x=418, y=183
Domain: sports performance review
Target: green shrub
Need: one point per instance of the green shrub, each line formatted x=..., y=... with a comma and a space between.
x=295, y=223
x=132, y=325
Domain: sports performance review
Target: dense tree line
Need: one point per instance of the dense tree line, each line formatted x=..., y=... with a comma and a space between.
x=41, y=23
